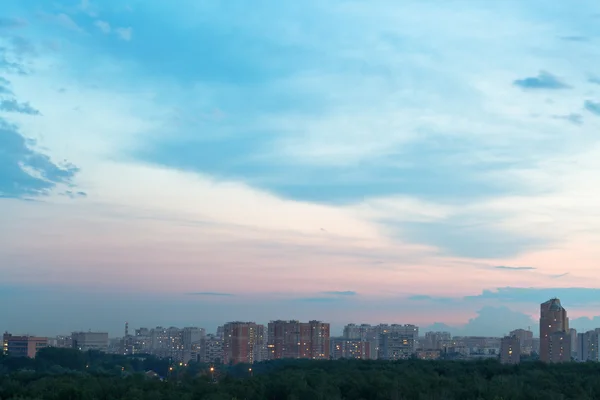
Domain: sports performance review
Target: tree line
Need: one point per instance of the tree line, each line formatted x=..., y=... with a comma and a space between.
x=67, y=374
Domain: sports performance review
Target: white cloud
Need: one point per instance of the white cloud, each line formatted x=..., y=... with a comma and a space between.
x=124, y=33
x=103, y=26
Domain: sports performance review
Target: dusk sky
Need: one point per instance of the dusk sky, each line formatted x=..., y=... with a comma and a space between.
x=194, y=162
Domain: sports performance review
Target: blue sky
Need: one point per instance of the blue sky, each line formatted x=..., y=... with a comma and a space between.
x=285, y=152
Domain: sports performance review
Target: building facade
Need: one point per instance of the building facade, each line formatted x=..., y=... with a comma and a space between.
x=85, y=341
x=22, y=346
x=510, y=350
x=525, y=340
x=244, y=342
x=295, y=339
x=555, y=339
x=587, y=346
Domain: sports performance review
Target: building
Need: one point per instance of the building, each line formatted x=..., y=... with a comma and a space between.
x=211, y=350
x=349, y=348
x=525, y=340
x=397, y=342
x=434, y=340
x=510, y=350
x=428, y=354
x=573, y=336
x=22, y=346
x=294, y=339
x=365, y=332
x=191, y=338
x=85, y=341
x=244, y=342
x=555, y=341
x=587, y=346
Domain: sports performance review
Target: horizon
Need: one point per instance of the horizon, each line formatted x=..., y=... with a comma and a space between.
x=389, y=161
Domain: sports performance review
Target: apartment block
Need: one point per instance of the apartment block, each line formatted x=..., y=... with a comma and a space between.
x=22, y=346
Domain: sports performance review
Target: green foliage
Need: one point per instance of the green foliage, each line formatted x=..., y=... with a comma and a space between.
x=59, y=374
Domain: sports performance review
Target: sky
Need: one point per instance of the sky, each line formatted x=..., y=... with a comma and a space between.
x=434, y=163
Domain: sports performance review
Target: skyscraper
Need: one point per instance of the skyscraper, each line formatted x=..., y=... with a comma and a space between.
x=555, y=340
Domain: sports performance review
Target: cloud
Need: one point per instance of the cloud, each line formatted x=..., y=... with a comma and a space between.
x=544, y=80
x=24, y=172
x=515, y=268
x=574, y=38
x=4, y=89
x=13, y=105
x=8, y=23
x=124, y=33
x=576, y=119
x=317, y=299
x=103, y=26
x=341, y=293
x=218, y=294
x=557, y=276
x=595, y=80
x=63, y=20
x=593, y=107
x=74, y=194
x=569, y=295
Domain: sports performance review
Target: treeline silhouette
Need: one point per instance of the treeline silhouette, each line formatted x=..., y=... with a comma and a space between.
x=66, y=374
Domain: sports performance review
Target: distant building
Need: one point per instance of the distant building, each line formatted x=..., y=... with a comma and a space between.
x=211, y=350
x=349, y=348
x=294, y=339
x=244, y=342
x=22, y=346
x=397, y=342
x=434, y=340
x=573, y=336
x=428, y=354
x=510, y=350
x=555, y=340
x=85, y=341
x=587, y=346
x=191, y=338
x=525, y=340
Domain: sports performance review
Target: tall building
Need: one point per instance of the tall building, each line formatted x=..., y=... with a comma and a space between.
x=294, y=339
x=244, y=342
x=397, y=342
x=573, y=336
x=191, y=338
x=525, y=340
x=587, y=346
x=211, y=350
x=434, y=340
x=555, y=340
x=367, y=333
x=22, y=346
x=85, y=341
x=510, y=350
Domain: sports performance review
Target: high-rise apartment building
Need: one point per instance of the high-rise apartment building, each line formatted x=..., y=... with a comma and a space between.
x=365, y=332
x=191, y=337
x=22, y=346
x=294, y=339
x=349, y=348
x=525, y=340
x=510, y=350
x=397, y=341
x=85, y=341
x=555, y=340
x=244, y=342
x=587, y=346
x=211, y=349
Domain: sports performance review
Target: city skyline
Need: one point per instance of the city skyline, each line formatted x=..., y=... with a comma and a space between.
x=404, y=162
